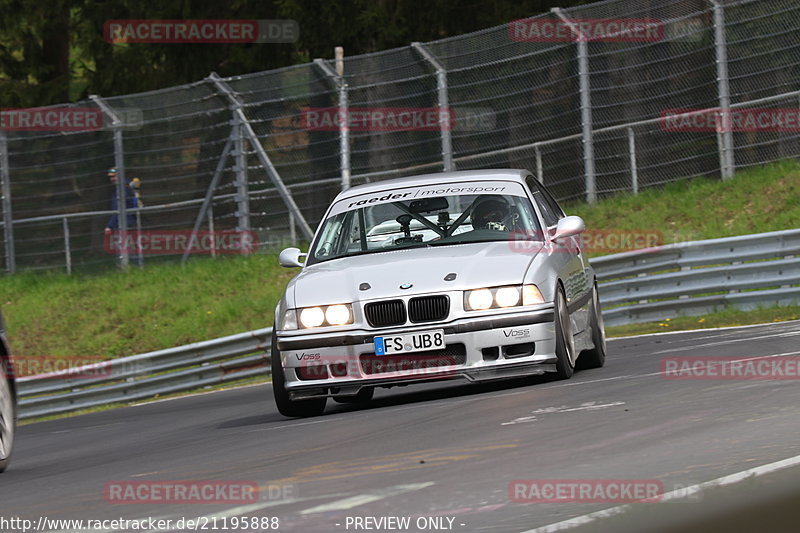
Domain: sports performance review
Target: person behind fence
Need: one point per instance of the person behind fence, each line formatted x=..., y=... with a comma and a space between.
x=132, y=201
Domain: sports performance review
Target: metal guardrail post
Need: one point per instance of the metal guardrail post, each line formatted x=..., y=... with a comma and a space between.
x=5, y=191
x=119, y=162
x=539, y=169
x=207, y=201
x=725, y=137
x=211, y=230
x=343, y=115
x=586, y=106
x=632, y=161
x=240, y=169
x=263, y=158
x=446, y=118
x=139, y=250
x=67, y=249
x=344, y=137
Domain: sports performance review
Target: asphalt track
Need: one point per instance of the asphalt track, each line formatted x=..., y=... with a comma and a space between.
x=450, y=451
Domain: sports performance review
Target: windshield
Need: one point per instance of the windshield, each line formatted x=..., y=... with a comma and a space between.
x=417, y=217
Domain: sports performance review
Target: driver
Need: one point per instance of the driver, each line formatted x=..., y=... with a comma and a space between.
x=490, y=212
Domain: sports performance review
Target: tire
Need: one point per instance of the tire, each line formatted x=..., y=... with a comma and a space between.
x=363, y=396
x=565, y=344
x=8, y=419
x=596, y=357
x=286, y=406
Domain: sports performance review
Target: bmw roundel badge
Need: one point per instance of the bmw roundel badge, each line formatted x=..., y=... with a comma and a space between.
x=406, y=285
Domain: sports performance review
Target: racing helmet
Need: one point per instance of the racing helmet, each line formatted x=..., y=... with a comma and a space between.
x=490, y=212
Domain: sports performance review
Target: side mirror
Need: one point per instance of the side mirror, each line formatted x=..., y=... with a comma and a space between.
x=568, y=227
x=290, y=257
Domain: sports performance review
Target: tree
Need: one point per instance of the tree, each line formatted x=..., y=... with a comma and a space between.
x=53, y=51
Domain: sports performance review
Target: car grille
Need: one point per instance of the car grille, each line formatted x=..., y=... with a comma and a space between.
x=428, y=308
x=449, y=356
x=388, y=313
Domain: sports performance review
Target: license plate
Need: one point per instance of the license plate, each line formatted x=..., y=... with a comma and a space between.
x=410, y=342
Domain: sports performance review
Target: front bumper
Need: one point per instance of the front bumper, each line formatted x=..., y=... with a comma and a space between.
x=496, y=346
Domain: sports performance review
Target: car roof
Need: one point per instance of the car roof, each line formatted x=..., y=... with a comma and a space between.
x=439, y=177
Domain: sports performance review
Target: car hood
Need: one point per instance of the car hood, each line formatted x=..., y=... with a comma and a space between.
x=475, y=265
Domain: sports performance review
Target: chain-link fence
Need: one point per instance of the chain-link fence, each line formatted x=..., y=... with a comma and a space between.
x=594, y=100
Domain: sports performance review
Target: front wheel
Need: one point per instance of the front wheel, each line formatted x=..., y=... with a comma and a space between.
x=8, y=418
x=565, y=344
x=287, y=406
x=596, y=357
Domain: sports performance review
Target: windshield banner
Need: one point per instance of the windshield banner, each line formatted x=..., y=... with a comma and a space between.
x=408, y=194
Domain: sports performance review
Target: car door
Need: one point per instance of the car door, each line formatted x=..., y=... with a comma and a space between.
x=573, y=266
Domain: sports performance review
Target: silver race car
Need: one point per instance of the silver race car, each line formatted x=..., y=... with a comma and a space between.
x=473, y=275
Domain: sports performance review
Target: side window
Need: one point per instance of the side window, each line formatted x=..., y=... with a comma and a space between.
x=552, y=202
x=549, y=213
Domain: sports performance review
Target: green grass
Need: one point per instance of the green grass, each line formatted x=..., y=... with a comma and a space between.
x=757, y=200
x=121, y=313
x=114, y=313
x=728, y=317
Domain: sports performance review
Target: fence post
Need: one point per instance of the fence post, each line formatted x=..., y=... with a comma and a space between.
x=340, y=85
x=586, y=107
x=539, y=168
x=67, y=250
x=263, y=158
x=725, y=138
x=210, y=212
x=446, y=118
x=241, y=182
x=209, y=199
x=292, y=230
x=5, y=191
x=632, y=160
x=119, y=162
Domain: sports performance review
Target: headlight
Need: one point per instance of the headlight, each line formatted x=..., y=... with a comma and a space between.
x=502, y=297
x=289, y=320
x=312, y=317
x=480, y=299
x=337, y=315
x=507, y=296
x=326, y=315
x=531, y=295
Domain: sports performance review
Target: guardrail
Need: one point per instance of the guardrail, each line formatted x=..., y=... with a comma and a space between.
x=653, y=284
x=700, y=277
x=145, y=375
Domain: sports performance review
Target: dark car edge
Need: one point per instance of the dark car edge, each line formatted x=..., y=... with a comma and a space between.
x=8, y=400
